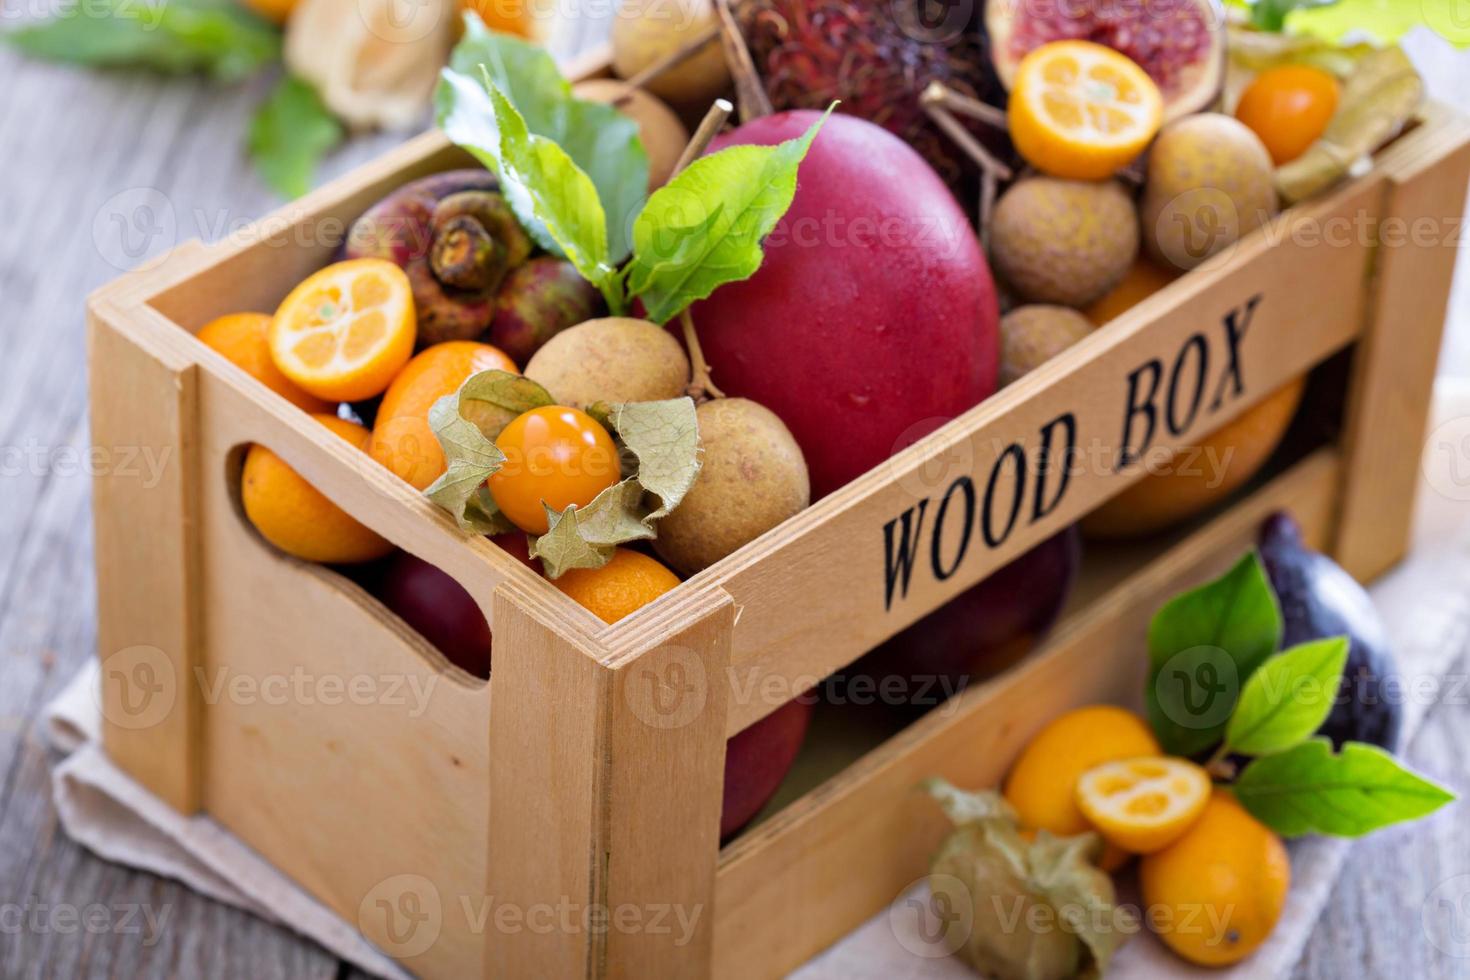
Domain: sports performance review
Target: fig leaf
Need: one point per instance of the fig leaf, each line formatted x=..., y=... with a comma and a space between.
x=704, y=228
x=1202, y=646
x=1309, y=789
x=466, y=424
x=1284, y=702
x=600, y=140
x=661, y=440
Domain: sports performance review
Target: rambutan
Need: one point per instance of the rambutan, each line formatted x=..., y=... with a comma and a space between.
x=876, y=57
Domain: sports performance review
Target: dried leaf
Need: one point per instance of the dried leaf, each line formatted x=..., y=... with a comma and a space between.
x=1379, y=97
x=466, y=424
x=1030, y=910
x=663, y=440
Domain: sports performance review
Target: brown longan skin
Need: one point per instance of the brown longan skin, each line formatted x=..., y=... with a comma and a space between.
x=753, y=477
x=1065, y=242
x=1032, y=335
x=613, y=359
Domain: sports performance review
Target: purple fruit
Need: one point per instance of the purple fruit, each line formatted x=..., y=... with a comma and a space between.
x=440, y=609
x=983, y=630
x=1318, y=600
x=456, y=238
x=757, y=759
x=537, y=301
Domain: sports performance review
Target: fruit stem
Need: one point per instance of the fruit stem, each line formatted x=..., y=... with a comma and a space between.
x=708, y=127
x=937, y=101
x=669, y=61
x=749, y=91
x=700, y=385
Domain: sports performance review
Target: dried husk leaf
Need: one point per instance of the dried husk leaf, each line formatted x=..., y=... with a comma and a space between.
x=1038, y=910
x=662, y=443
x=1378, y=98
x=466, y=424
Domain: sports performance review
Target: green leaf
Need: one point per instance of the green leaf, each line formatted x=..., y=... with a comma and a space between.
x=552, y=197
x=598, y=138
x=1309, y=790
x=1270, y=15
x=215, y=37
x=1202, y=646
x=662, y=439
x=290, y=133
x=466, y=424
x=1385, y=21
x=704, y=227
x=1288, y=698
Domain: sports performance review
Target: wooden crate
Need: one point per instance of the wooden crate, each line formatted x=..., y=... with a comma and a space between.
x=595, y=781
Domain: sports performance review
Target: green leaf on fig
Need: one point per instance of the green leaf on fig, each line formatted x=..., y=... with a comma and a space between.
x=1203, y=645
x=1288, y=698
x=704, y=228
x=599, y=139
x=993, y=883
x=289, y=134
x=217, y=37
x=466, y=424
x=662, y=439
x=1309, y=789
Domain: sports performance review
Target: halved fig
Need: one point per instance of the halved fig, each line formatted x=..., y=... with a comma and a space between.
x=1180, y=43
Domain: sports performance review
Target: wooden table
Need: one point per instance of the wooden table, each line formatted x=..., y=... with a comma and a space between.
x=81, y=150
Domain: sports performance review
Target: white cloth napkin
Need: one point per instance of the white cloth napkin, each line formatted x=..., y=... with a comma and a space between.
x=1425, y=603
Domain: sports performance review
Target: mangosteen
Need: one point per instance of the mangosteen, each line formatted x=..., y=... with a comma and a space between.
x=1319, y=599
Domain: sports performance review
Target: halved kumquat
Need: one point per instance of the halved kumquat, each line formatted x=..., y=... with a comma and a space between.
x=1082, y=111
x=1144, y=804
x=345, y=331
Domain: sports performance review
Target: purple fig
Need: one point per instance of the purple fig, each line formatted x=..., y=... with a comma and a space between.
x=537, y=301
x=399, y=227
x=446, y=313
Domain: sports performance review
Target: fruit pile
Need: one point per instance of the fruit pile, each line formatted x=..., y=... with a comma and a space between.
x=1203, y=791
x=623, y=355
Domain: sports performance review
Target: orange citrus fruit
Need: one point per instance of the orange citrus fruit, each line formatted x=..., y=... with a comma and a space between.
x=1042, y=785
x=1214, y=895
x=243, y=338
x=345, y=331
x=628, y=582
x=1143, y=804
x=296, y=517
x=275, y=11
x=1289, y=108
x=1141, y=281
x=1201, y=476
x=402, y=438
x=524, y=18
x=555, y=457
x=1082, y=111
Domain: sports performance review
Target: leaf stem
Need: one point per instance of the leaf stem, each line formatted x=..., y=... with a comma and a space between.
x=751, y=93
x=1219, y=764
x=700, y=385
x=715, y=118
